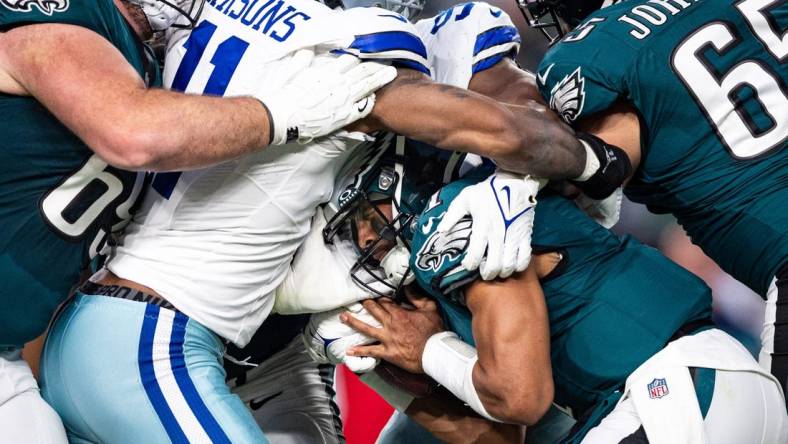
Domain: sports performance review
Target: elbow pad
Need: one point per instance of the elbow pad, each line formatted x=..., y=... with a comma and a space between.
x=614, y=167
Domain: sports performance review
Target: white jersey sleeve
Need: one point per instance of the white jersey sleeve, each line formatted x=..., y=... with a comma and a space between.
x=467, y=39
x=379, y=34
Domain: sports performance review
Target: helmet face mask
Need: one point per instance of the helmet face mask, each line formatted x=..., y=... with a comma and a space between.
x=165, y=14
x=543, y=16
x=554, y=18
x=364, y=207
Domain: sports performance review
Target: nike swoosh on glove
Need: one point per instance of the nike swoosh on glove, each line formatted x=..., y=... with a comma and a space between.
x=502, y=212
x=327, y=338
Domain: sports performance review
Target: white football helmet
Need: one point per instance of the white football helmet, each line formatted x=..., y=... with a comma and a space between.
x=410, y=9
x=163, y=14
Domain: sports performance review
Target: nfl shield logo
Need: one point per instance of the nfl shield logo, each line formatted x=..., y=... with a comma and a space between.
x=657, y=389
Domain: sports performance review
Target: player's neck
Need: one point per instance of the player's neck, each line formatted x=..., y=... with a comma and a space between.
x=136, y=18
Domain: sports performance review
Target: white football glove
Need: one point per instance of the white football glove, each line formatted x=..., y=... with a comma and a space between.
x=606, y=211
x=320, y=95
x=327, y=338
x=502, y=210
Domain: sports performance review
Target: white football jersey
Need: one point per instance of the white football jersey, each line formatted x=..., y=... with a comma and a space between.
x=466, y=39
x=216, y=242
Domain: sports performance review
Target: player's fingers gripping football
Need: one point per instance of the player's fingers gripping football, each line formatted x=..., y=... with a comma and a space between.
x=403, y=334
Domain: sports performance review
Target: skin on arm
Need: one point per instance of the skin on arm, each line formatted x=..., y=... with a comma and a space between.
x=90, y=87
x=450, y=420
x=512, y=376
x=520, y=139
x=619, y=125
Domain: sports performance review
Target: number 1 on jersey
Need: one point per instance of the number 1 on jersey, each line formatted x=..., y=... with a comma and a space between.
x=225, y=60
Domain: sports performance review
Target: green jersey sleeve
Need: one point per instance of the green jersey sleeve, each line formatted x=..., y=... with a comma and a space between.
x=575, y=88
x=436, y=258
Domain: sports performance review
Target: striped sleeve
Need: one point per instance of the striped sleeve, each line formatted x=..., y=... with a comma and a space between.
x=386, y=36
x=467, y=39
x=493, y=45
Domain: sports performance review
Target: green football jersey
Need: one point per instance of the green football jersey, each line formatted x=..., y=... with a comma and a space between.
x=58, y=200
x=612, y=302
x=708, y=79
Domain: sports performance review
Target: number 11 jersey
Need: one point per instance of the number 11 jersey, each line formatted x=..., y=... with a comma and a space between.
x=708, y=79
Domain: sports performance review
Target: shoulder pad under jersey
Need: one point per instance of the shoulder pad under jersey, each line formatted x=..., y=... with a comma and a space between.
x=467, y=39
x=581, y=75
x=379, y=34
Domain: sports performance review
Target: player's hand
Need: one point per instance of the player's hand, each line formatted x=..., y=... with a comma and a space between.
x=502, y=210
x=403, y=332
x=606, y=211
x=323, y=95
x=327, y=339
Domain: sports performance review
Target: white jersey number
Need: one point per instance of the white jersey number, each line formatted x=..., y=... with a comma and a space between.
x=225, y=60
x=717, y=93
x=72, y=209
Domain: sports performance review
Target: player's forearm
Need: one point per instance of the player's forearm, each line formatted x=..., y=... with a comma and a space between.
x=449, y=420
x=89, y=86
x=547, y=148
x=447, y=117
x=550, y=150
x=180, y=132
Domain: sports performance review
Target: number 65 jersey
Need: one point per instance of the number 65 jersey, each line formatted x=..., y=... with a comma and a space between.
x=709, y=81
x=216, y=242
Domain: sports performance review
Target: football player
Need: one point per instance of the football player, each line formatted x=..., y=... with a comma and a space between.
x=78, y=119
x=202, y=258
x=612, y=323
x=695, y=92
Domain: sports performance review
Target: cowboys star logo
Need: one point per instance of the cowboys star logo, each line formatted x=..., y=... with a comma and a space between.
x=442, y=247
x=568, y=96
x=46, y=6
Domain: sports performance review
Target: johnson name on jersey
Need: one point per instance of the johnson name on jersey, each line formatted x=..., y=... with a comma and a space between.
x=216, y=242
x=467, y=39
x=708, y=79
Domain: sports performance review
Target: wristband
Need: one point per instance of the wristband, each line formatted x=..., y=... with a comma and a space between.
x=278, y=113
x=450, y=361
x=592, y=163
x=612, y=167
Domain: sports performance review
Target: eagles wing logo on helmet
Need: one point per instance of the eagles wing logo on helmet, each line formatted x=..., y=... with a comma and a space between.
x=568, y=96
x=45, y=6
x=441, y=247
